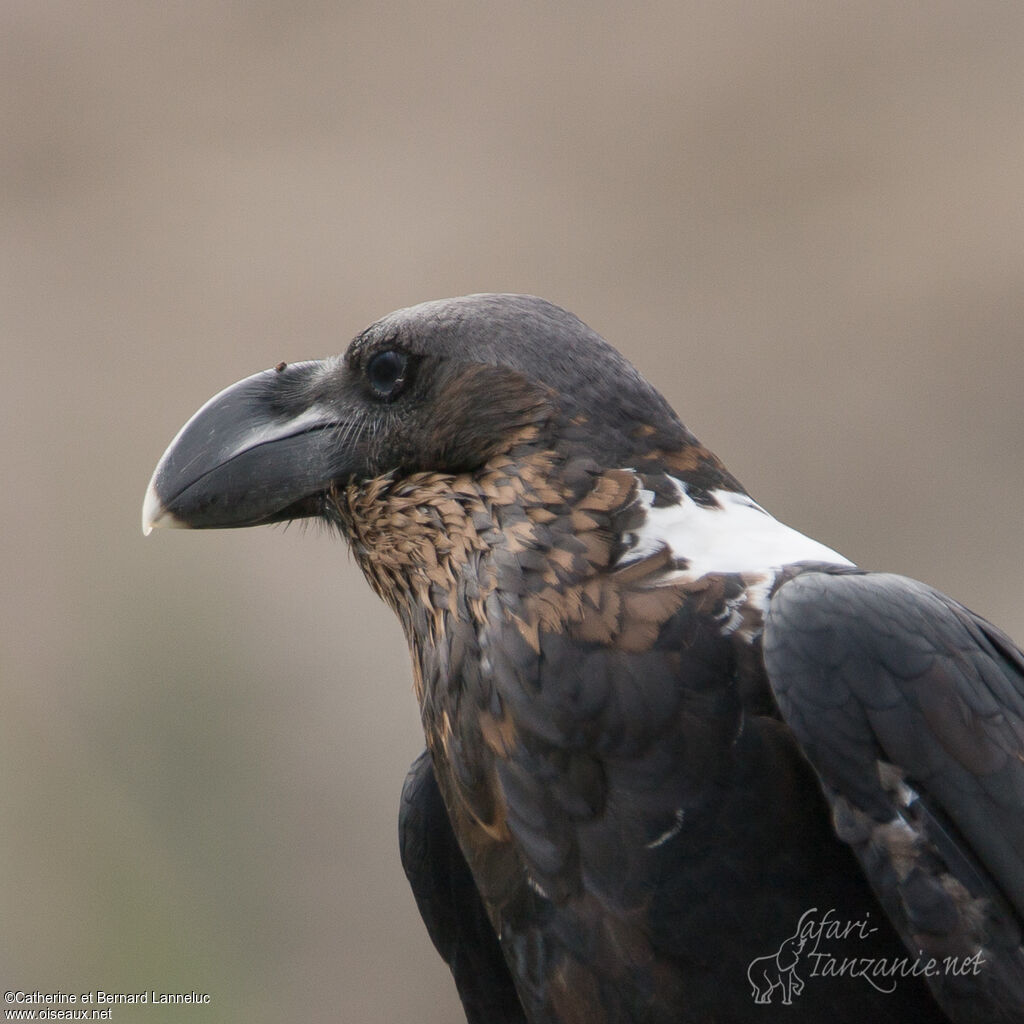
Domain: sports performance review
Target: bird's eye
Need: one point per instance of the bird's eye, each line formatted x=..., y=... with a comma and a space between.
x=386, y=372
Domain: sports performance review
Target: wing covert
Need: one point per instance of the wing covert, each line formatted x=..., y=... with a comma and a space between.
x=910, y=708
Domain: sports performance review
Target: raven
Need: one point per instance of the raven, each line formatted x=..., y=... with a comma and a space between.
x=683, y=763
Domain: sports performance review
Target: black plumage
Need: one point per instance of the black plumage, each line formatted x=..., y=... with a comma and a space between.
x=682, y=762
x=449, y=902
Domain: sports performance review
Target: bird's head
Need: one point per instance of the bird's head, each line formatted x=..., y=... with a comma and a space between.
x=439, y=388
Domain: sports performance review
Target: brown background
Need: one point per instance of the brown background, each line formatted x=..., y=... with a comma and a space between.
x=804, y=221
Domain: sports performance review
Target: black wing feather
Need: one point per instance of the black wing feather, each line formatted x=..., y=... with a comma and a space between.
x=911, y=710
x=450, y=904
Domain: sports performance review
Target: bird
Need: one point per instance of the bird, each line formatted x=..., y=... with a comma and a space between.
x=683, y=763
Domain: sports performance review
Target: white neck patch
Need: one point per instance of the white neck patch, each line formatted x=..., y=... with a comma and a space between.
x=738, y=536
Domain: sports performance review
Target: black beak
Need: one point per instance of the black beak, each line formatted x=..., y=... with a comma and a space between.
x=263, y=450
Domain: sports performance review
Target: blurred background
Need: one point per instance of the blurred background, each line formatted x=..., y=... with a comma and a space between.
x=802, y=220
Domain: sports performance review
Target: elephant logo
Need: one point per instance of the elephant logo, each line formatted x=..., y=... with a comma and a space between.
x=778, y=970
